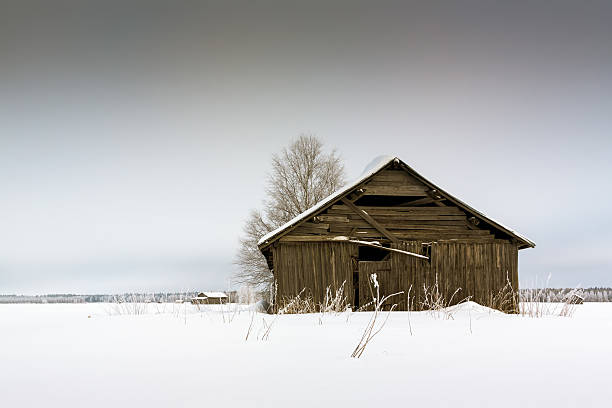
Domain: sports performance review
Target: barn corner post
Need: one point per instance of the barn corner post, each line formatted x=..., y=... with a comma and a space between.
x=394, y=222
x=516, y=290
x=273, y=294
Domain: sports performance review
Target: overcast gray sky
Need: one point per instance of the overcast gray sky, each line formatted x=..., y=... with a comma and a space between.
x=136, y=136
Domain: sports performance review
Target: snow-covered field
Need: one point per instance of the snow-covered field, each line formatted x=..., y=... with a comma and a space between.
x=62, y=355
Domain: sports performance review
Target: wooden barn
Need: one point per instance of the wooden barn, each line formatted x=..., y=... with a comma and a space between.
x=416, y=237
x=209, y=298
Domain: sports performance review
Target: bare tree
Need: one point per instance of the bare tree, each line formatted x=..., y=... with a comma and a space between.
x=252, y=266
x=302, y=175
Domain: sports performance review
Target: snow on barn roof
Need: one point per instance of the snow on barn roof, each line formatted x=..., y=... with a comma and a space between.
x=376, y=165
x=215, y=294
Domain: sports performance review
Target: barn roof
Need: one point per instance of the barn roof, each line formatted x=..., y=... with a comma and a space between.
x=215, y=294
x=373, y=168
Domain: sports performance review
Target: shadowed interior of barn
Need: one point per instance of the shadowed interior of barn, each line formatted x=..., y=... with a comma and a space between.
x=415, y=237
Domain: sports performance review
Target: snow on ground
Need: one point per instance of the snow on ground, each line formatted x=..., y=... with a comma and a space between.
x=55, y=355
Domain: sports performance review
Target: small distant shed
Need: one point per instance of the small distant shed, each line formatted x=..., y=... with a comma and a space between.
x=210, y=298
x=574, y=299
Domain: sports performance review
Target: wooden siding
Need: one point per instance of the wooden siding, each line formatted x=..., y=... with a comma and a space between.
x=404, y=222
x=312, y=267
x=482, y=271
x=388, y=284
x=394, y=177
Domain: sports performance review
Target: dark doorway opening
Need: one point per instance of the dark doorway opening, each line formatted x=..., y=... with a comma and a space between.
x=368, y=253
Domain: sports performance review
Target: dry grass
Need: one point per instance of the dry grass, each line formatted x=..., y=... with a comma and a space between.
x=533, y=304
x=333, y=302
x=266, y=329
x=536, y=303
x=436, y=302
x=298, y=304
x=129, y=304
x=250, y=326
x=505, y=300
x=371, y=330
x=568, y=309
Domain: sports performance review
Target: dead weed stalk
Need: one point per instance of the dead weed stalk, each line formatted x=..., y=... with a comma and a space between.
x=371, y=330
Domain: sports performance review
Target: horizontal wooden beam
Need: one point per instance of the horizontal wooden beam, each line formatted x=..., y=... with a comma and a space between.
x=407, y=191
x=314, y=225
x=376, y=245
x=344, y=238
x=391, y=227
x=413, y=217
x=347, y=239
x=360, y=222
x=331, y=218
x=402, y=209
x=314, y=238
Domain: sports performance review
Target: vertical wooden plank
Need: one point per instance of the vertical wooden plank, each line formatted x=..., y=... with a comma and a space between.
x=299, y=278
x=426, y=271
x=399, y=273
x=486, y=272
x=417, y=266
x=483, y=272
x=453, y=283
x=313, y=269
x=334, y=278
x=410, y=273
x=462, y=279
x=472, y=269
x=291, y=259
x=513, y=265
x=449, y=281
x=348, y=273
x=478, y=269
x=277, y=267
x=456, y=274
x=323, y=251
x=440, y=268
x=320, y=275
x=364, y=291
x=464, y=276
x=281, y=267
x=476, y=273
x=281, y=272
x=496, y=273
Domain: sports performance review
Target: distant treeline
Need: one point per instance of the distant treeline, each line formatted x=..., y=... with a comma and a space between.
x=547, y=294
x=560, y=295
x=71, y=298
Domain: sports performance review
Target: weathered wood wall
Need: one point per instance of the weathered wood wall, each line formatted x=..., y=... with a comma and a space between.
x=486, y=272
x=405, y=222
x=312, y=267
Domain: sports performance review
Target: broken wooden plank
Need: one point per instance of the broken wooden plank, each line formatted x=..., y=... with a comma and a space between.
x=370, y=220
x=377, y=245
x=331, y=218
